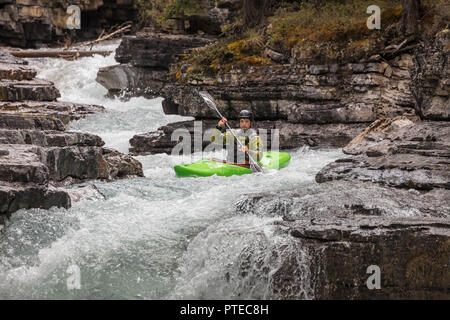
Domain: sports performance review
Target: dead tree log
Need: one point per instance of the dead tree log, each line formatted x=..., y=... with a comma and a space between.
x=411, y=16
x=57, y=54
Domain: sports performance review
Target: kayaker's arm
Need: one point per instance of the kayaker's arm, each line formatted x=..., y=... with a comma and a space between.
x=220, y=137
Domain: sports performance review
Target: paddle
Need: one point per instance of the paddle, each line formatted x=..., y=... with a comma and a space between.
x=254, y=166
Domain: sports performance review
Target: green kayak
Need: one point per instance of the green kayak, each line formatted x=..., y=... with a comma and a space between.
x=210, y=167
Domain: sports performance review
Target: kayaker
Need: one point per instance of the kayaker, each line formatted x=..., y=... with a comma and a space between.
x=247, y=136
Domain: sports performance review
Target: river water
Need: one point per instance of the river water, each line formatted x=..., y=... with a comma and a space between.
x=157, y=237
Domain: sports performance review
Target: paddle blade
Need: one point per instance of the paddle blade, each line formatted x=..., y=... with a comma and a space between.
x=209, y=100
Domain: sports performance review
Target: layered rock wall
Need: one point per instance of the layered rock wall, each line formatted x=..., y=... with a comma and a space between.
x=26, y=23
x=37, y=154
x=316, y=105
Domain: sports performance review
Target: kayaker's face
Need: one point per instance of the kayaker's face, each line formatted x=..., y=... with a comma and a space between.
x=245, y=124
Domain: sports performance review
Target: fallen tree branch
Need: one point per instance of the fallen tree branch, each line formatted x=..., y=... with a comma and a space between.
x=103, y=37
x=57, y=54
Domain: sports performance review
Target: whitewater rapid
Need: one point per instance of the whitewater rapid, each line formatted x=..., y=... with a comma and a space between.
x=157, y=237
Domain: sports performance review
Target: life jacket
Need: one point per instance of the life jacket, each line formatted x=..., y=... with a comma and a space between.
x=238, y=156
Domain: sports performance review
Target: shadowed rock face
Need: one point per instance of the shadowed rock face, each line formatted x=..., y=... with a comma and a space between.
x=33, y=23
x=430, y=75
x=145, y=61
x=330, y=93
x=404, y=151
x=290, y=135
x=36, y=153
x=157, y=51
x=346, y=227
x=412, y=255
x=16, y=196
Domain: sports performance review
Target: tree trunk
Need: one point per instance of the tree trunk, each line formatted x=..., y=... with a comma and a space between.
x=256, y=10
x=411, y=16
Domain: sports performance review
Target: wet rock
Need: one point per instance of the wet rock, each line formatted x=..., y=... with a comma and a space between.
x=37, y=154
x=342, y=228
x=145, y=60
x=16, y=72
x=345, y=199
x=16, y=196
x=72, y=164
x=80, y=193
x=78, y=163
x=64, y=165
x=12, y=68
x=30, y=121
x=120, y=165
x=38, y=90
x=397, y=152
x=45, y=138
x=23, y=163
x=7, y=58
x=64, y=111
x=128, y=81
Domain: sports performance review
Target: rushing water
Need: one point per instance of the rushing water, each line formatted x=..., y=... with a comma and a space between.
x=156, y=237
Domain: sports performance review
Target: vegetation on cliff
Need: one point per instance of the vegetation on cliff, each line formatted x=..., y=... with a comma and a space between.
x=158, y=11
x=310, y=32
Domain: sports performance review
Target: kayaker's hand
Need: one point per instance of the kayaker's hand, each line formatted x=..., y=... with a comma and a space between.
x=244, y=149
x=222, y=122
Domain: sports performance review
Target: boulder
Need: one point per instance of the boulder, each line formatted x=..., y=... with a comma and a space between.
x=16, y=196
x=38, y=90
x=64, y=111
x=23, y=163
x=397, y=152
x=333, y=236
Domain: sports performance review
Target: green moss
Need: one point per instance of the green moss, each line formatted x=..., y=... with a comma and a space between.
x=221, y=56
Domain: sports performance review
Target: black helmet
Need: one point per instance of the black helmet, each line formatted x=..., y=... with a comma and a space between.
x=245, y=114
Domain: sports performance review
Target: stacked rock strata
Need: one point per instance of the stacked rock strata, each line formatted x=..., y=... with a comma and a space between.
x=37, y=154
